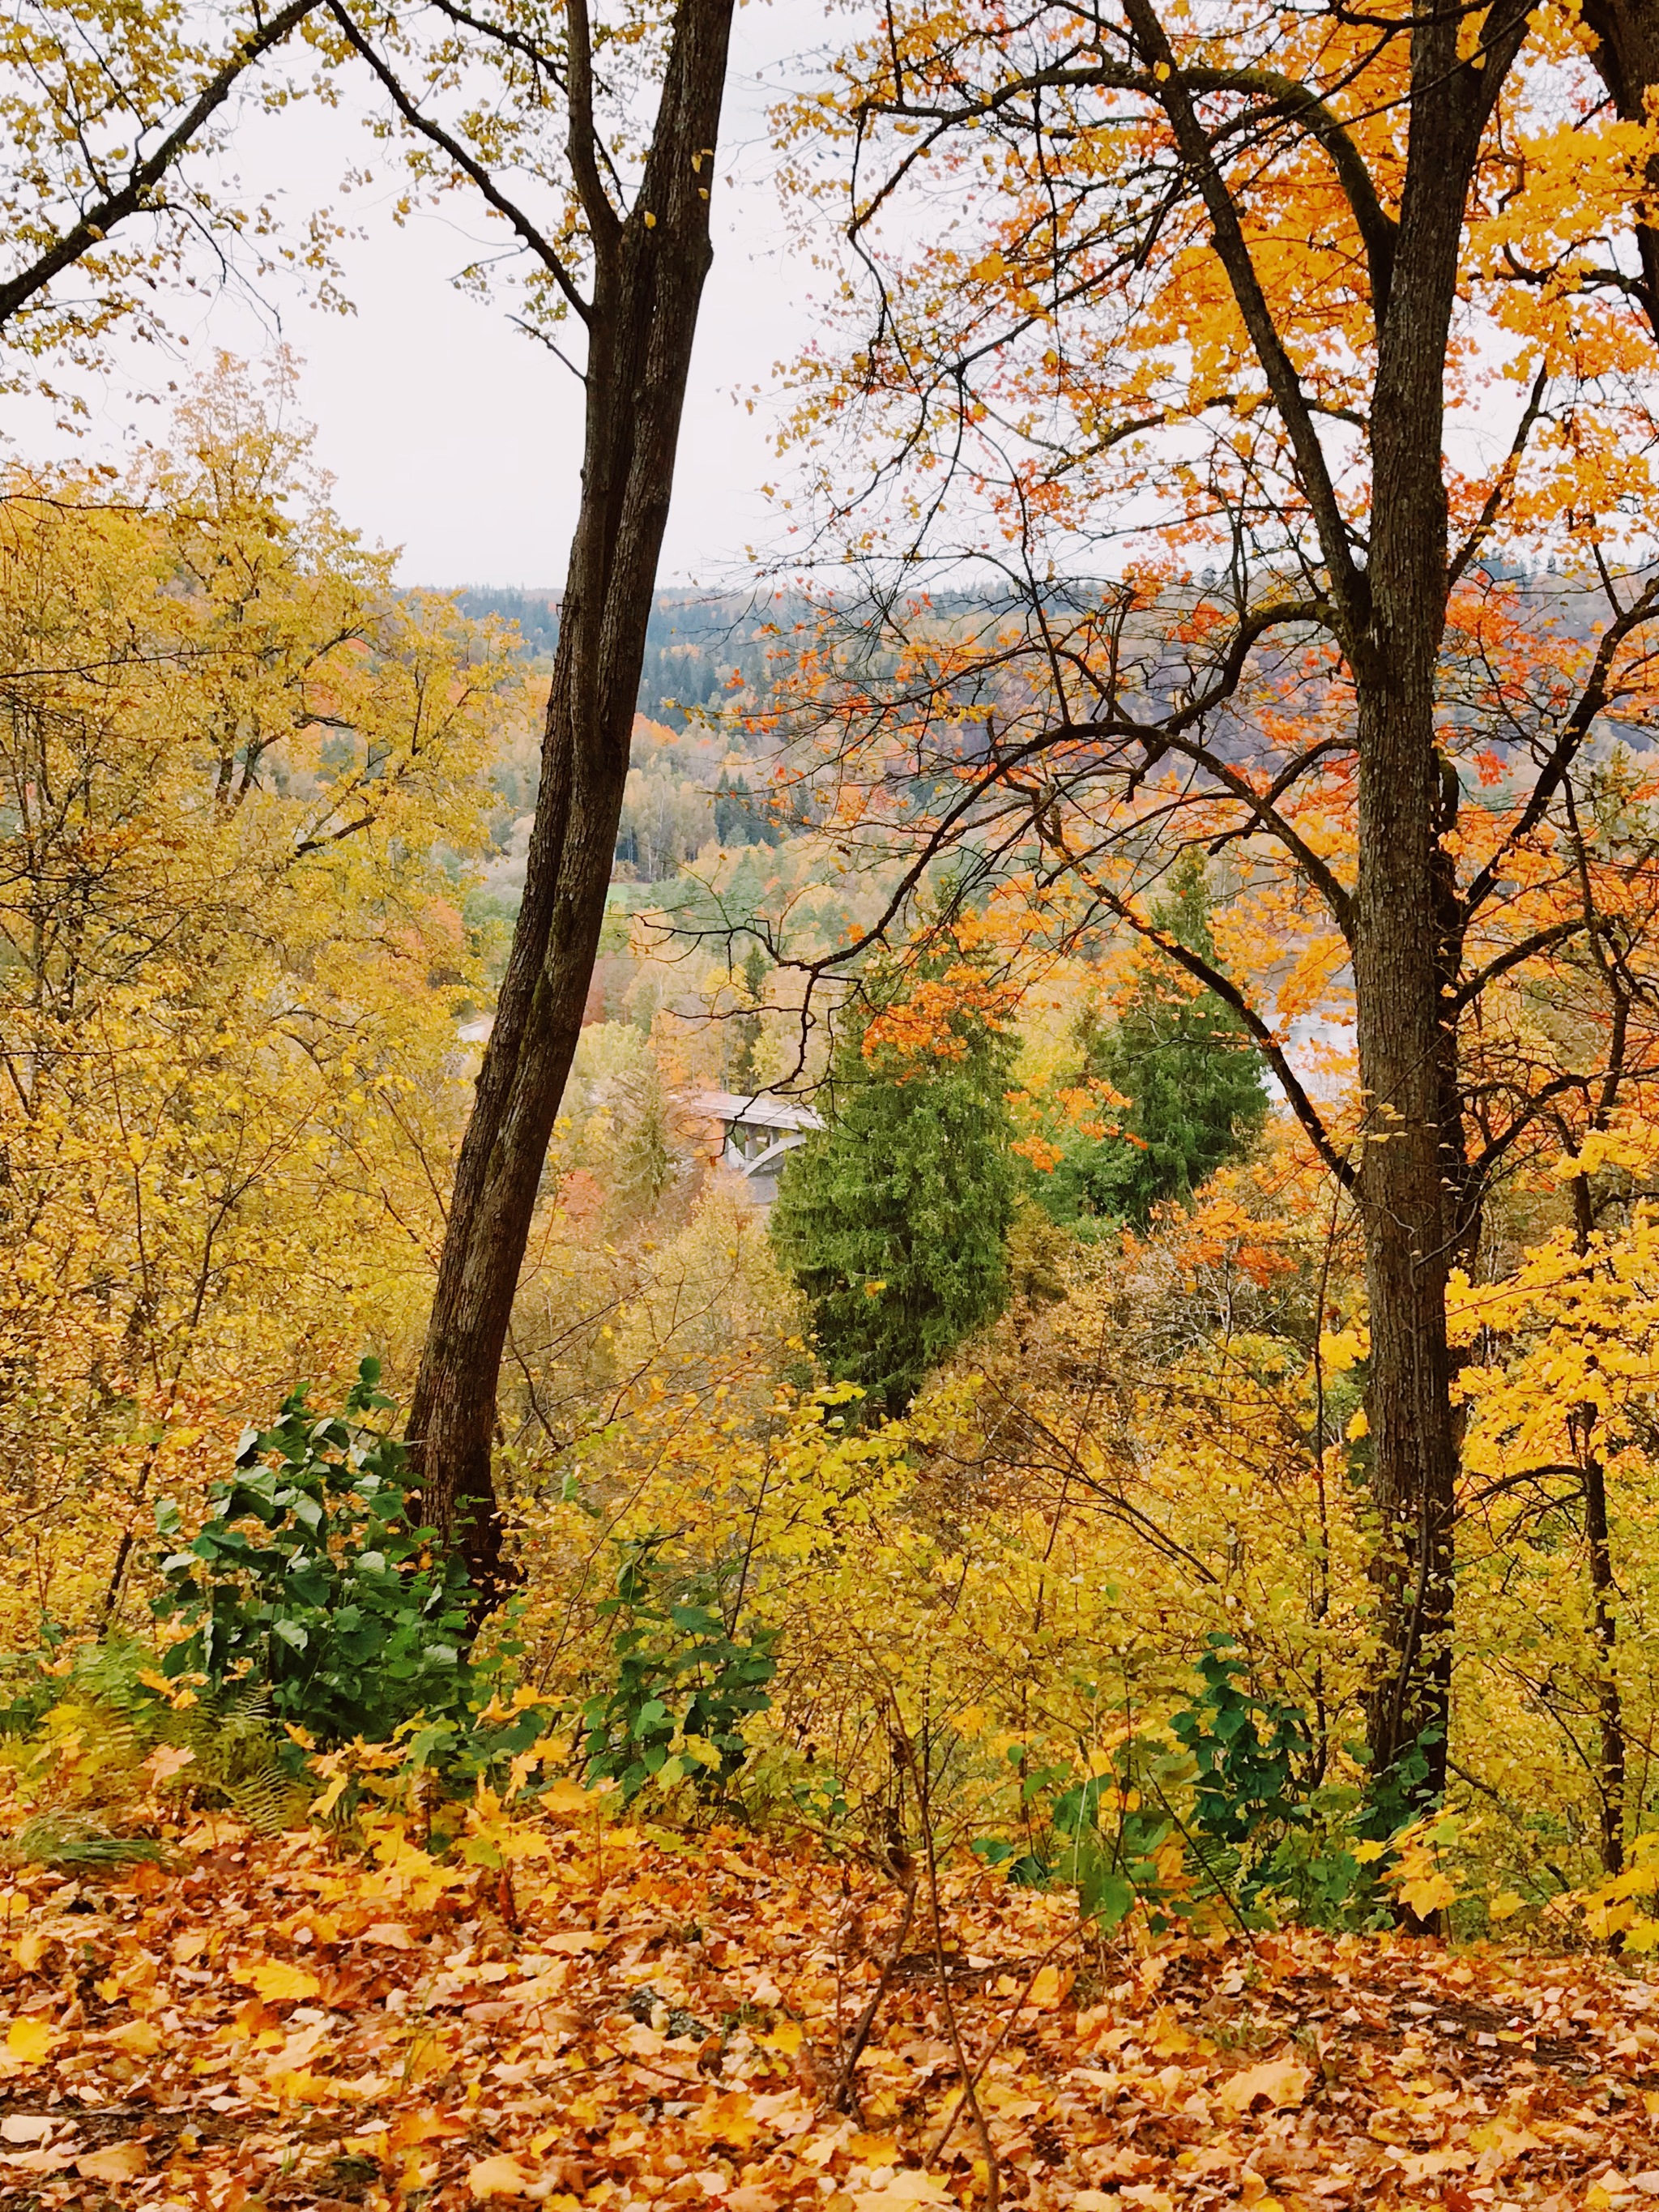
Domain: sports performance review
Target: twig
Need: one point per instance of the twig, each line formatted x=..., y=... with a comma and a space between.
x=841, y=2096
x=969, y=2088
x=949, y=2128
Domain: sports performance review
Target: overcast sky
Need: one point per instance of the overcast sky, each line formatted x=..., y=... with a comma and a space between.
x=450, y=433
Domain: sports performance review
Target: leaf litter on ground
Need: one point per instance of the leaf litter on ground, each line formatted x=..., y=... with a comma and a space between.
x=616, y=2019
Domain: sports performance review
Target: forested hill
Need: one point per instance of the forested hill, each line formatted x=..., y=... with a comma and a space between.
x=696, y=642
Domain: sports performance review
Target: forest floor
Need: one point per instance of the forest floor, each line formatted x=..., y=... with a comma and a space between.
x=619, y=2021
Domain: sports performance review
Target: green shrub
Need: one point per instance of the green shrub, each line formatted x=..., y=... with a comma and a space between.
x=311, y=1581
x=682, y=1686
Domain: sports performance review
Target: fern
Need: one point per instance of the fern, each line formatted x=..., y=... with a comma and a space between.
x=268, y=1801
x=65, y=1839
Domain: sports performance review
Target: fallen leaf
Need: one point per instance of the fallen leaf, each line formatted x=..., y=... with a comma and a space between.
x=24, y=2127
x=1049, y=1989
x=1423, y=2166
x=139, y=2038
x=122, y=2161
x=30, y=2040
x=908, y=2186
x=31, y=1947
x=874, y=2150
x=1280, y=2081
x=277, y=1982
x=499, y=2177
x=166, y=1760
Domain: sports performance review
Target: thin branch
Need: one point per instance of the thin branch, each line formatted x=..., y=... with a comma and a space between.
x=470, y=167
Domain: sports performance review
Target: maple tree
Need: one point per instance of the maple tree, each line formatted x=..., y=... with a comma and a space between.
x=231, y=758
x=1173, y=427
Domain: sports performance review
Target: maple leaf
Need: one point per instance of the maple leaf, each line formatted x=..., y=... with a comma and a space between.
x=905, y=2189
x=501, y=2177
x=277, y=1982
x=1279, y=2081
x=30, y=2040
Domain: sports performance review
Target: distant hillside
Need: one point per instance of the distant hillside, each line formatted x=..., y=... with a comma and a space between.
x=696, y=642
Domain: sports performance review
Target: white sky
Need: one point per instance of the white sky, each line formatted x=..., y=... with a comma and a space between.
x=452, y=435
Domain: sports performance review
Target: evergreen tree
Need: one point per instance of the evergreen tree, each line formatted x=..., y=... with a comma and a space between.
x=1185, y=1062
x=893, y=1220
x=746, y=1027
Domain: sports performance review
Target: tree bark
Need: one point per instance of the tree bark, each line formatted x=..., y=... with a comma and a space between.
x=1626, y=53
x=1611, y=1749
x=1405, y=935
x=647, y=284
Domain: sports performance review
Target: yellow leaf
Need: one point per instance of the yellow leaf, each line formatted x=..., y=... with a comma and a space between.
x=1049, y=1989
x=275, y=1982
x=990, y=268
x=30, y=1949
x=138, y=2037
x=566, y=1796
x=1280, y=2081
x=499, y=2177
x=873, y=2150
x=30, y=2040
x=906, y=2189
x=728, y=2119
x=302, y=2086
x=1505, y=1905
x=1429, y=1892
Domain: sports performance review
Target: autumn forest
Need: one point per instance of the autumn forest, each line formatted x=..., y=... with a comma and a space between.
x=838, y=1389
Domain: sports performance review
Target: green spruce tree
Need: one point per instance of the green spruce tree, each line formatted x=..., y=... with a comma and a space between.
x=1185, y=1062
x=894, y=1219
x=746, y=1027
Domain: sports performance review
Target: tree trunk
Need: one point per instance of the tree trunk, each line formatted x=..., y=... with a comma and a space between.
x=1624, y=48
x=1405, y=948
x=648, y=278
x=1612, y=1753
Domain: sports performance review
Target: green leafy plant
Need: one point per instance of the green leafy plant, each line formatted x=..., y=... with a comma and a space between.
x=1236, y=1819
x=1269, y=1831
x=1106, y=1836
x=1246, y=1750
x=312, y=1579
x=682, y=1685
